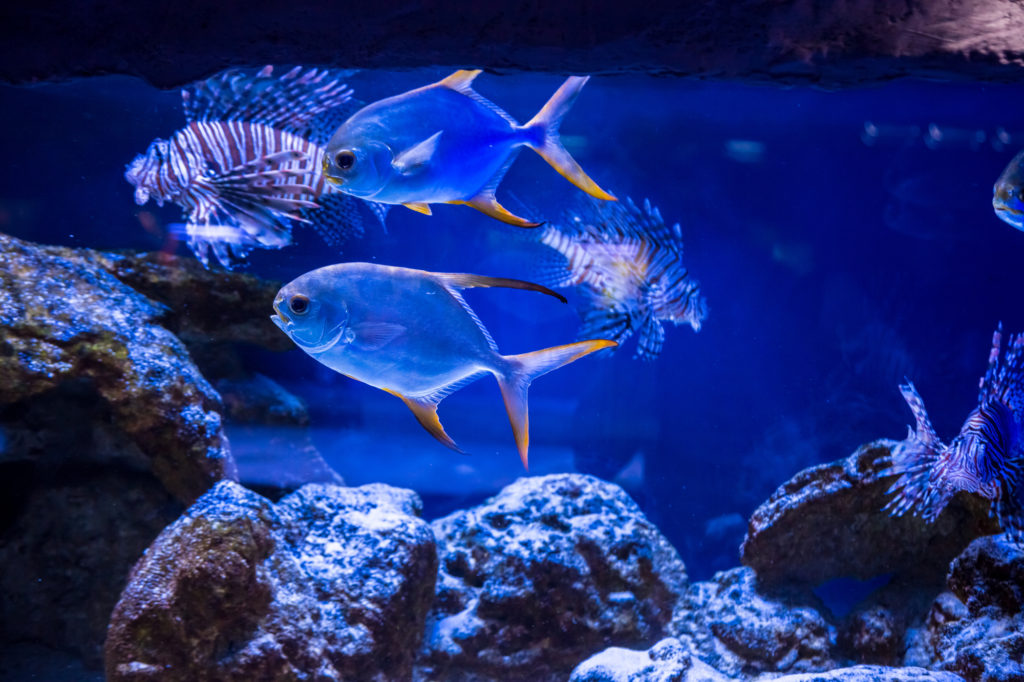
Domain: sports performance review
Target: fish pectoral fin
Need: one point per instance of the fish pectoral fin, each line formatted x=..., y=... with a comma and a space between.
x=460, y=280
x=374, y=335
x=425, y=412
x=488, y=205
x=460, y=81
x=416, y=157
x=419, y=207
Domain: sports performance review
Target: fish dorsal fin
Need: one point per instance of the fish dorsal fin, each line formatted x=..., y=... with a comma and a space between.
x=418, y=206
x=462, y=82
x=289, y=102
x=375, y=335
x=425, y=412
x=458, y=280
x=472, y=314
x=415, y=158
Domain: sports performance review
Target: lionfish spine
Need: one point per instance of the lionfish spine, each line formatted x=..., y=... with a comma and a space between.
x=985, y=458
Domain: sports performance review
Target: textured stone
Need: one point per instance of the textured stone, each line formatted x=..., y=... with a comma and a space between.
x=827, y=522
x=666, y=661
x=269, y=433
x=873, y=673
x=788, y=41
x=734, y=627
x=203, y=306
x=547, y=572
x=64, y=318
x=64, y=560
x=980, y=638
x=990, y=573
x=330, y=583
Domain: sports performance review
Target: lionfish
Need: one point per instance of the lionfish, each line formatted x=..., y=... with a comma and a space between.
x=985, y=458
x=628, y=265
x=249, y=161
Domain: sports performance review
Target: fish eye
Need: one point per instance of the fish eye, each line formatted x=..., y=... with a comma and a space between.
x=345, y=159
x=299, y=304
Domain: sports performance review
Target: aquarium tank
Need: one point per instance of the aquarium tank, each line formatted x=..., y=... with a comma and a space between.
x=512, y=343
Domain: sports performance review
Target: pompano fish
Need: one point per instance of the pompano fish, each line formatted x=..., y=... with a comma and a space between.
x=248, y=162
x=627, y=264
x=444, y=143
x=1008, y=193
x=986, y=458
x=410, y=333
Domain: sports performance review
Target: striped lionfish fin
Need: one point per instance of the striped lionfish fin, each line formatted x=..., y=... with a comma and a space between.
x=650, y=339
x=914, y=461
x=289, y=102
x=337, y=219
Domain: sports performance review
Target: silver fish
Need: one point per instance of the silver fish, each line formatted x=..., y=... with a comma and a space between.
x=444, y=143
x=1008, y=193
x=410, y=333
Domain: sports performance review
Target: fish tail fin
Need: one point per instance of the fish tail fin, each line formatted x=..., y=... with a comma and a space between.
x=521, y=370
x=544, y=138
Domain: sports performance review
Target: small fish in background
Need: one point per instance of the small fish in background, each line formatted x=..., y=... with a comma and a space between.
x=248, y=162
x=445, y=143
x=1008, y=193
x=985, y=458
x=410, y=333
x=628, y=266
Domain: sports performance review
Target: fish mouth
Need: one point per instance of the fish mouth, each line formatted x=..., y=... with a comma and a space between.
x=327, y=340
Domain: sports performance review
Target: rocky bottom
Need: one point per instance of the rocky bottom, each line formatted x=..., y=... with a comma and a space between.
x=557, y=577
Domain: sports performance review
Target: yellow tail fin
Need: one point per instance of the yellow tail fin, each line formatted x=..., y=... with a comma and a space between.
x=523, y=369
x=549, y=145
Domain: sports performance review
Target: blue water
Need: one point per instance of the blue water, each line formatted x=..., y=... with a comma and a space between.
x=833, y=268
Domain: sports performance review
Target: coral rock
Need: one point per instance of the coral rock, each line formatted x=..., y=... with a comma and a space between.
x=982, y=638
x=827, y=522
x=330, y=583
x=64, y=318
x=872, y=673
x=547, y=572
x=64, y=561
x=731, y=625
x=666, y=661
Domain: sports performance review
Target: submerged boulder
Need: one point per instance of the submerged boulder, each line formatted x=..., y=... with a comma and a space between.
x=547, y=572
x=64, y=559
x=330, y=583
x=733, y=626
x=64, y=318
x=828, y=522
x=667, y=661
x=977, y=630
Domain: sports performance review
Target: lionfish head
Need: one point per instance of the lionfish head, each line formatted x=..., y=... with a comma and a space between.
x=143, y=172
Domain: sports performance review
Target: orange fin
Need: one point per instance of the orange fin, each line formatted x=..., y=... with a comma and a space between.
x=419, y=207
x=488, y=205
x=460, y=81
x=425, y=412
x=546, y=124
x=467, y=281
x=523, y=369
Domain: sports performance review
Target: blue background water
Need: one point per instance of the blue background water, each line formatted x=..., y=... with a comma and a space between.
x=832, y=270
